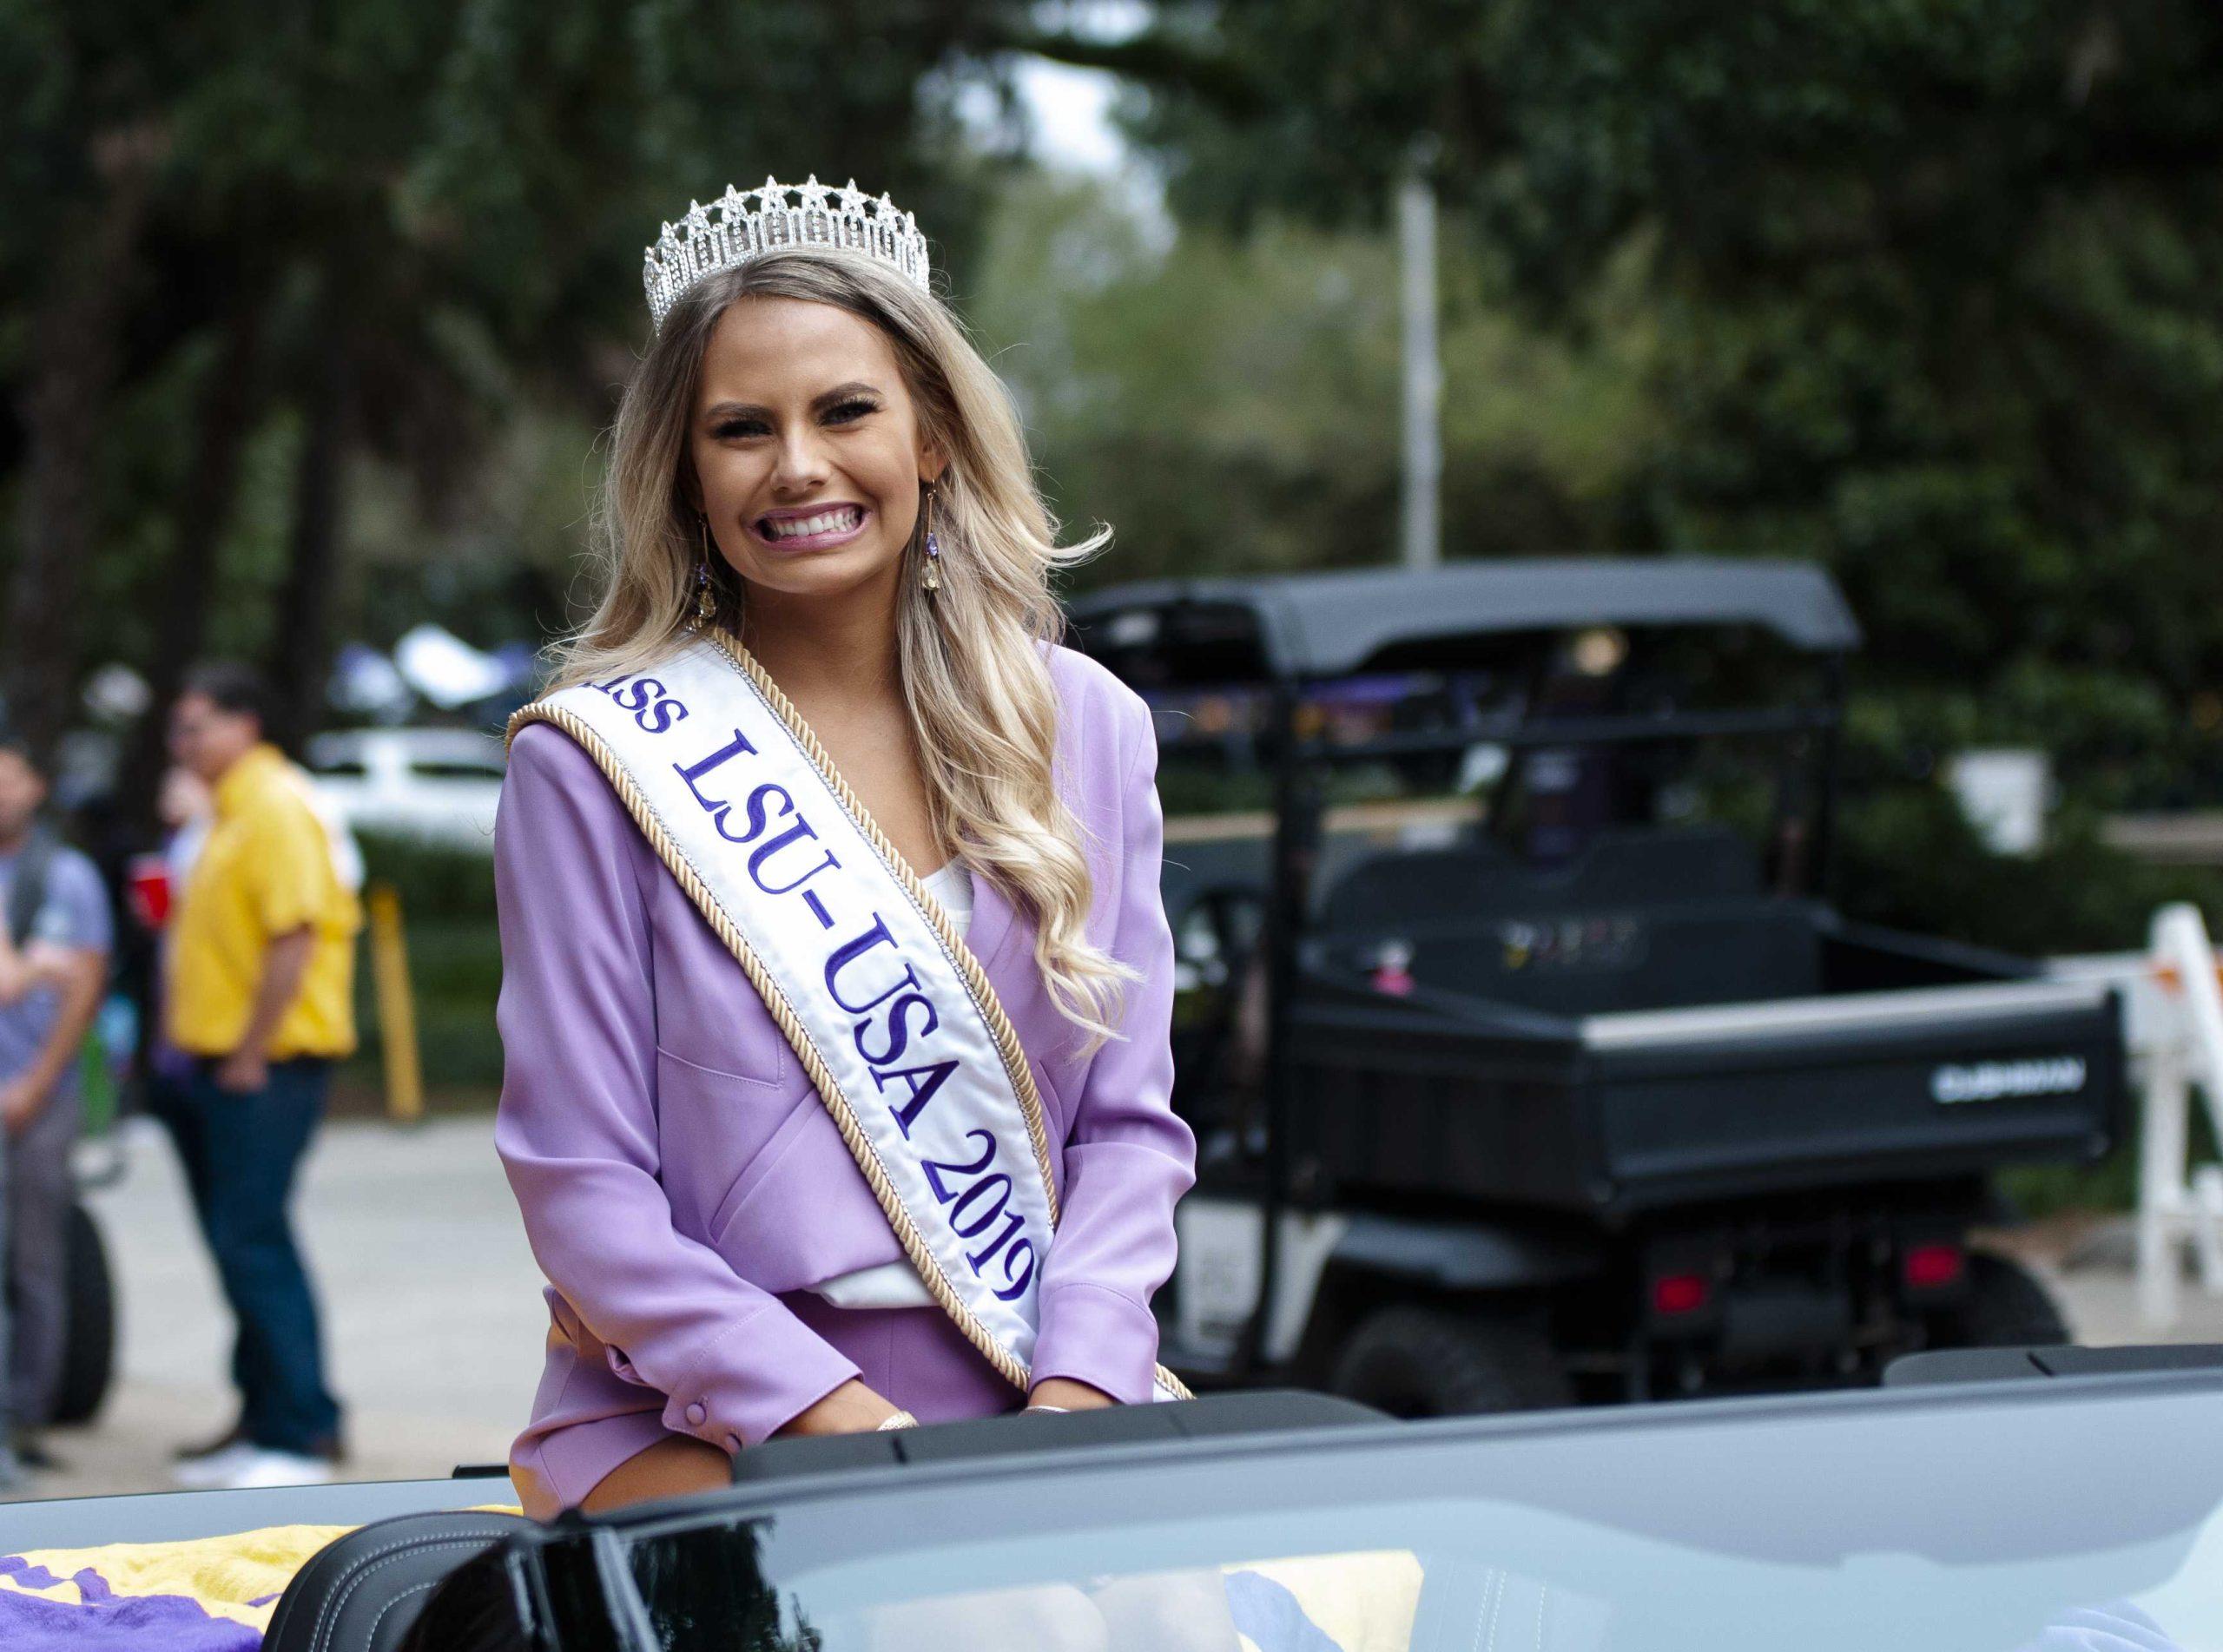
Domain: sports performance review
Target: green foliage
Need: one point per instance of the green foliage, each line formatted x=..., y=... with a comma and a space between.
x=1908, y=859
x=435, y=211
x=433, y=879
x=1231, y=404
x=1933, y=291
x=455, y=972
x=455, y=963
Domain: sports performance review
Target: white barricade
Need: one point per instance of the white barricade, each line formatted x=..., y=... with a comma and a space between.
x=2173, y=1026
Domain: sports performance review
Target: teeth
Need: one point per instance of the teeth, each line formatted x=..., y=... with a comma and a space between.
x=826, y=522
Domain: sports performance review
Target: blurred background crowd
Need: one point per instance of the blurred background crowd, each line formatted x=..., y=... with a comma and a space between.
x=314, y=316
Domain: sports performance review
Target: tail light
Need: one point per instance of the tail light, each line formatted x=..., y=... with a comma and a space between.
x=1676, y=1294
x=1933, y=1267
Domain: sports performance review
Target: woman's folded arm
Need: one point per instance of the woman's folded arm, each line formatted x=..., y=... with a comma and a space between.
x=576, y=1128
x=1128, y=1159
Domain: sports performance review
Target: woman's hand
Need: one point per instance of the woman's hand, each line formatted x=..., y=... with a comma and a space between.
x=1063, y=1393
x=851, y=1409
x=679, y=1464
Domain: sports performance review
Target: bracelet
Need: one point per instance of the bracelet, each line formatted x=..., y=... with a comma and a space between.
x=898, y=1419
x=1062, y=1410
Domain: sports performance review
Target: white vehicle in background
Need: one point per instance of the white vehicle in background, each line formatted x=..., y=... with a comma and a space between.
x=440, y=785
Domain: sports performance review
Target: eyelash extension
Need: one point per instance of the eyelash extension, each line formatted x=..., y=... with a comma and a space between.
x=846, y=412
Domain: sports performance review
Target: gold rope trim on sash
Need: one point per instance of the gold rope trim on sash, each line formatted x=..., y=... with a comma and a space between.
x=1007, y=1364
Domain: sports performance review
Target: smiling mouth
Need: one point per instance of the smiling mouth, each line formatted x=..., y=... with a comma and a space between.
x=831, y=523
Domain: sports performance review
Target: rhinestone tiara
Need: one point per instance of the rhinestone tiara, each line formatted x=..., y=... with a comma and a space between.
x=752, y=222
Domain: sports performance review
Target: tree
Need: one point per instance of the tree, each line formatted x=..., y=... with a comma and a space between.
x=383, y=226
x=1228, y=404
x=84, y=145
x=1936, y=290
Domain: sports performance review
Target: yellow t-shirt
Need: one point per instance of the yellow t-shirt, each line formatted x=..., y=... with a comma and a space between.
x=265, y=870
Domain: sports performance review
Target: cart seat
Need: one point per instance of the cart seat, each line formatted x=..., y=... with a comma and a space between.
x=1658, y=957
x=1647, y=920
x=1622, y=867
x=1385, y=892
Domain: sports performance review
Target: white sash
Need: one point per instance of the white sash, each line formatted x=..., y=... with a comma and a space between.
x=890, y=1014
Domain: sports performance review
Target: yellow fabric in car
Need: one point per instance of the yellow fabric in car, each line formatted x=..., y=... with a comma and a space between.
x=197, y=1595
x=172, y=1593
x=1356, y=1603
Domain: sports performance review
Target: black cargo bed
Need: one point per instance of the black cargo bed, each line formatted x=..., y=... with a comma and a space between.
x=1437, y=1094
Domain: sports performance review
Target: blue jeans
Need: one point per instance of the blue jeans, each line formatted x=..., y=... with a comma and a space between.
x=240, y=1149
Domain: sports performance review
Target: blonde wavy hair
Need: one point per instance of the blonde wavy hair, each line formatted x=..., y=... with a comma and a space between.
x=972, y=656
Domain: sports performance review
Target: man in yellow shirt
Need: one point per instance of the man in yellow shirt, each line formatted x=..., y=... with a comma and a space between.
x=258, y=982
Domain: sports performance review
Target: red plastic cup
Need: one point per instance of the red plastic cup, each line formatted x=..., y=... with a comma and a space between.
x=148, y=878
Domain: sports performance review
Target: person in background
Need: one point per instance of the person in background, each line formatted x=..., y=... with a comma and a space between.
x=187, y=811
x=182, y=804
x=54, y=950
x=258, y=995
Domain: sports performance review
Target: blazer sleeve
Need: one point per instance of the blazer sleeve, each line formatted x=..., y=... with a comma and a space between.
x=1127, y=1158
x=577, y=1127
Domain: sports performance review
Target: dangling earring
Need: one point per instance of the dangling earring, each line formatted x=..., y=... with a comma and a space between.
x=706, y=603
x=931, y=579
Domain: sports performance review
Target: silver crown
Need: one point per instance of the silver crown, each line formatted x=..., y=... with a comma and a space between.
x=752, y=222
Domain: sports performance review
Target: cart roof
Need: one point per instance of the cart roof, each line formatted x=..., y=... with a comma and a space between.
x=1333, y=624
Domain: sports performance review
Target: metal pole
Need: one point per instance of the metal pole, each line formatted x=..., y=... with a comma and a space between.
x=1822, y=851
x=397, y=1008
x=1424, y=372
x=1297, y=823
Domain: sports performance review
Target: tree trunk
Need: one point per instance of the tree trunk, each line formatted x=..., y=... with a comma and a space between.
x=75, y=341
x=226, y=413
x=300, y=652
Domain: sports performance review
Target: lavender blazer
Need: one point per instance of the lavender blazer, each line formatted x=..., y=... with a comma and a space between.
x=681, y=1184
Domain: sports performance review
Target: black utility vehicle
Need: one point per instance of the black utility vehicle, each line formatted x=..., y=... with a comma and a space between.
x=1554, y=1089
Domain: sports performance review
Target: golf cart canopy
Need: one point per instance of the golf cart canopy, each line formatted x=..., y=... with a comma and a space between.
x=1336, y=624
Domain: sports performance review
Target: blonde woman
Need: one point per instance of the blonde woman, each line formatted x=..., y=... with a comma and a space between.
x=836, y=978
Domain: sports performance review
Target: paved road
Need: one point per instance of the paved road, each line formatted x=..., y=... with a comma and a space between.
x=432, y=1313
x=434, y=1316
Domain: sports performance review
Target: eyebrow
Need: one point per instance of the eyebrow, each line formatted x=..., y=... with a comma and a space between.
x=819, y=404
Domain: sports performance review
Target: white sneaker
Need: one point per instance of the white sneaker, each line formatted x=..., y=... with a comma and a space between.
x=212, y=1469
x=264, y=1468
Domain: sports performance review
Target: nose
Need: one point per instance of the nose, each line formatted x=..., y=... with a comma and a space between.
x=801, y=468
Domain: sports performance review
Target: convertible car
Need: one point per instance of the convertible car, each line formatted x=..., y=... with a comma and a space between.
x=1985, y=1502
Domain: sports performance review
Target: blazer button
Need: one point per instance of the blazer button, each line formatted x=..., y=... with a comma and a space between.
x=696, y=1415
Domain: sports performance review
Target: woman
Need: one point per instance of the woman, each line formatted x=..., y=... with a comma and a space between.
x=778, y=1187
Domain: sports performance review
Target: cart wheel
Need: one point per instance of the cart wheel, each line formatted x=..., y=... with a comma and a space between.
x=2006, y=1308
x=89, y=1354
x=1426, y=1362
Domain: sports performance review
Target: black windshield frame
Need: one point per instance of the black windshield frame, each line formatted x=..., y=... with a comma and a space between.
x=1979, y=1473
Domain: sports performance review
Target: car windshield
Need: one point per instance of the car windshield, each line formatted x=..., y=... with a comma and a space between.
x=1975, y=1526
